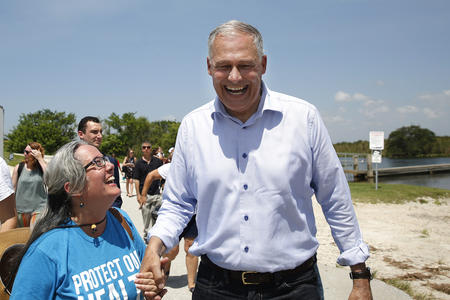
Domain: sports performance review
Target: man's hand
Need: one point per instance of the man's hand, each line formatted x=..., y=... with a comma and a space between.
x=361, y=290
x=153, y=263
x=142, y=199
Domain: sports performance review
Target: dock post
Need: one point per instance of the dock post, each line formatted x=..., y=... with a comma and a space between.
x=369, y=168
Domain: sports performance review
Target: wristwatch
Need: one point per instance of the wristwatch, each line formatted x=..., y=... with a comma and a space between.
x=366, y=274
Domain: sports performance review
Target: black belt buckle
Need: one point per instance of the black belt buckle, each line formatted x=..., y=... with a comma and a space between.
x=245, y=280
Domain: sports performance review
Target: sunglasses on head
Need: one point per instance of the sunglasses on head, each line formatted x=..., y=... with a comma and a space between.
x=146, y=147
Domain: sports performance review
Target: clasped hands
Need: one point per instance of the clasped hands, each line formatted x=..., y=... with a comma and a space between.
x=152, y=283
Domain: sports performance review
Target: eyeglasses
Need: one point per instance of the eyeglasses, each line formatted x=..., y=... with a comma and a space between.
x=146, y=147
x=26, y=151
x=99, y=161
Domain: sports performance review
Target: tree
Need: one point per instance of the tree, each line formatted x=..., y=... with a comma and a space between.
x=51, y=129
x=410, y=141
x=127, y=131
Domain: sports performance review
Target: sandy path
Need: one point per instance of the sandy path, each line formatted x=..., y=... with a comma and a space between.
x=408, y=241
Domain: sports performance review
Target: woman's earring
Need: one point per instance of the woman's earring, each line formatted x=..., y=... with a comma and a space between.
x=81, y=204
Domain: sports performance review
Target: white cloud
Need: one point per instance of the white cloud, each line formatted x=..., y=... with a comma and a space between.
x=335, y=119
x=169, y=118
x=375, y=108
x=438, y=98
x=380, y=82
x=431, y=114
x=407, y=109
x=342, y=97
x=360, y=97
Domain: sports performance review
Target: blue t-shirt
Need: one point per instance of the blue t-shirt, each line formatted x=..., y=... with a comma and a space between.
x=66, y=263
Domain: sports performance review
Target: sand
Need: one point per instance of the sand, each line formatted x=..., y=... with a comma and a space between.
x=409, y=242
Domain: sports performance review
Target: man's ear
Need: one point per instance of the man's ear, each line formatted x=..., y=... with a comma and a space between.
x=208, y=63
x=80, y=134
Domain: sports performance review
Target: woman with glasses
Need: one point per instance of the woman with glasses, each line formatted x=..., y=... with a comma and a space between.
x=27, y=179
x=81, y=248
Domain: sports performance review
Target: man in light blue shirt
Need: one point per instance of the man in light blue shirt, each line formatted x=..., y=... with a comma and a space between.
x=250, y=161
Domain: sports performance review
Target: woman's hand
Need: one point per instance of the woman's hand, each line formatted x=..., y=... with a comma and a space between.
x=146, y=283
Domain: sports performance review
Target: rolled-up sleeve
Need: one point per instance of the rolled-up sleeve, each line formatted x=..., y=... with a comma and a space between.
x=333, y=194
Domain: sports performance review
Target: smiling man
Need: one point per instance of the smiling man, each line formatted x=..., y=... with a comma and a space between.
x=90, y=130
x=256, y=227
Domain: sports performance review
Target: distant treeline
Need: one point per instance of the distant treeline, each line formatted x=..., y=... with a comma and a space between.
x=411, y=141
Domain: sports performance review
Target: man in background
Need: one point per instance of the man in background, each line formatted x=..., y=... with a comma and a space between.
x=152, y=199
x=90, y=131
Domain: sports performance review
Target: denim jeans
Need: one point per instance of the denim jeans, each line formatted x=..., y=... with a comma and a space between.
x=214, y=284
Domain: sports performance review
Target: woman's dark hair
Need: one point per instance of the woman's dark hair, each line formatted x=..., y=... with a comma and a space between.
x=63, y=168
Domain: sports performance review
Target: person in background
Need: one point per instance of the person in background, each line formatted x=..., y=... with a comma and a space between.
x=145, y=165
x=128, y=168
x=8, y=214
x=81, y=248
x=189, y=233
x=30, y=192
x=90, y=130
x=159, y=153
x=255, y=219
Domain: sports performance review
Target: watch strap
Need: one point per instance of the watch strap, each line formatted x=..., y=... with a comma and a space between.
x=366, y=274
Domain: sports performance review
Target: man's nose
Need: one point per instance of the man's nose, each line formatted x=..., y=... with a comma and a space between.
x=234, y=75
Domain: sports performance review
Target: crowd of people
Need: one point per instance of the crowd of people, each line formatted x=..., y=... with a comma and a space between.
x=223, y=192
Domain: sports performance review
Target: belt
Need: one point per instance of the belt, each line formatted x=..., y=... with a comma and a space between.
x=256, y=278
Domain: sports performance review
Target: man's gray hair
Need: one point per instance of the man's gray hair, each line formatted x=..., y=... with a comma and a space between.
x=233, y=26
x=64, y=167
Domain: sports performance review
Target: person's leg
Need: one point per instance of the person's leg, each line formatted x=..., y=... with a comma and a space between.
x=156, y=201
x=146, y=215
x=171, y=255
x=191, y=263
x=131, y=185
x=302, y=285
x=128, y=187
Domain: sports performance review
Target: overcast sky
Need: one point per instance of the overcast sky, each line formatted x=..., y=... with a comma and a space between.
x=366, y=65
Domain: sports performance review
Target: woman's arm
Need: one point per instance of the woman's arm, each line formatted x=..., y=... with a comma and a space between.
x=40, y=158
x=15, y=177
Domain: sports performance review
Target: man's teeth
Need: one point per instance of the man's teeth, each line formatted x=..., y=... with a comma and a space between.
x=236, y=90
x=110, y=180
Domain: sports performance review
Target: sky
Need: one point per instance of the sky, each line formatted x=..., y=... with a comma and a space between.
x=366, y=65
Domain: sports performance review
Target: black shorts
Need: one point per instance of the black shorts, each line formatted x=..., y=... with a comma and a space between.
x=191, y=230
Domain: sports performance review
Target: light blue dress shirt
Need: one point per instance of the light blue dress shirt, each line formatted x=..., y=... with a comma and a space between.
x=252, y=184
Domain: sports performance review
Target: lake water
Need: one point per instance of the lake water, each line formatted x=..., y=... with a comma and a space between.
x=438, y=180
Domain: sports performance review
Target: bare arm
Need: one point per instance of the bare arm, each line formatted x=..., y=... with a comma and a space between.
x=153, y=175
x=40, y=158
x=8, y=213
x=15, y=176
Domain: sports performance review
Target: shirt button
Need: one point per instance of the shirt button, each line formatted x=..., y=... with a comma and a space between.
x=245, y=187
x=246, y=249
x=244, y=155
x=246, y=218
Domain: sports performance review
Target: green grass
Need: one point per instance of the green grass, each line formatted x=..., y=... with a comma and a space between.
x=17, y=158
x=395, y=193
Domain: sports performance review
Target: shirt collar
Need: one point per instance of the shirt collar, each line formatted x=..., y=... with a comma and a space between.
x=267, y=103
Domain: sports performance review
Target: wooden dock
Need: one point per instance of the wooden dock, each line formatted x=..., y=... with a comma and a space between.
x=362, y=175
